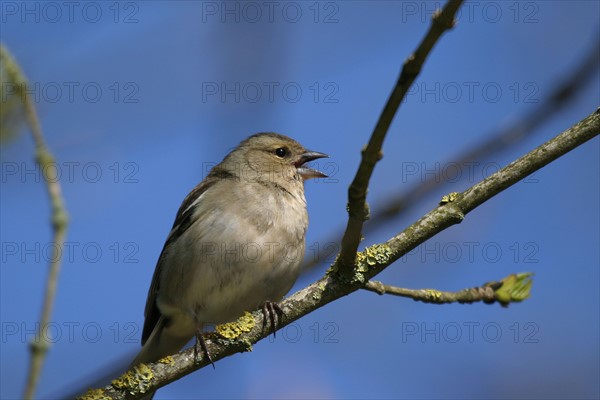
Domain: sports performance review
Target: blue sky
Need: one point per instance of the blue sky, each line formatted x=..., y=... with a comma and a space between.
x=138, y=99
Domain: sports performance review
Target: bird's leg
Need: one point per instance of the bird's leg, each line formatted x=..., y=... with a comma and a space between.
x=272, y=312
x=202, y=344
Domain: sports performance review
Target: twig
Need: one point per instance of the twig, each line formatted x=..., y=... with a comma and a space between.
x=513, y=288
x=358, y=210
x=59, y=219
x=150, y=377
x=560, y=96
x=503, y=140
x=471, y=295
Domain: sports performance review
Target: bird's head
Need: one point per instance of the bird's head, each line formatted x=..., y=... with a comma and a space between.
x=273, y=157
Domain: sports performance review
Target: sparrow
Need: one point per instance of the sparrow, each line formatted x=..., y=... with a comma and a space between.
x=236, y=245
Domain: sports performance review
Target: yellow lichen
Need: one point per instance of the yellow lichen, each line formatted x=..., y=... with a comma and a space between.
x=94, y=394
x=449, y=198
x=136, y=380
x=167, y=360
x=371, y=256
x=433, y=294
x=232, y=330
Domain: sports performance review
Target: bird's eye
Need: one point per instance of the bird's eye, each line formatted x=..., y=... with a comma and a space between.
x=281, y=152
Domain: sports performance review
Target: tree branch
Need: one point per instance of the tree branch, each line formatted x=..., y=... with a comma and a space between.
x=358, y=209
x=59, y=218
x=149, y=377
x=513, y=288
x=559, y=97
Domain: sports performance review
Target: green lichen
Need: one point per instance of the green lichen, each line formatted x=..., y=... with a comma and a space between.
x=136, y=380
x=248, y=344
x=333, y=268
x=232, y=330
x=378, y=254
x=319, y=293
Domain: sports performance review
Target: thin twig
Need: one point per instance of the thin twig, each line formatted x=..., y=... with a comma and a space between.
x=559, y=97
x=358, y=210
x=471, y=295
x=150, y=377
x=500, y=141
x=513, y=288
x=59, y=219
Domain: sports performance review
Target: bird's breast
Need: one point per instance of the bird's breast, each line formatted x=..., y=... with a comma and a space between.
x=243, y=250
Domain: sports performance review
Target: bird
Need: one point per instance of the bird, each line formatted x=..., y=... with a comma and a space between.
x=236, y=245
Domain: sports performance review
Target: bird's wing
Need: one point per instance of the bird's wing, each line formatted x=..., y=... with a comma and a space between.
x=184, y=219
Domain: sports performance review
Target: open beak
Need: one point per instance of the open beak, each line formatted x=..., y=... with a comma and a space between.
x=309, y=173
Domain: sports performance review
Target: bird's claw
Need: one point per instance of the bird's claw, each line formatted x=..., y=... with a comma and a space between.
x=272, y=311
x=200, y=342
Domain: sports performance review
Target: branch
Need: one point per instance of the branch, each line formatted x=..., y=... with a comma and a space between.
x=146, y=378
x=59, y=218
x=500, y=141
x=513, y=288
x=358, y=210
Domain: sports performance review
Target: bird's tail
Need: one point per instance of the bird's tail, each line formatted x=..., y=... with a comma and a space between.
x=162, y=342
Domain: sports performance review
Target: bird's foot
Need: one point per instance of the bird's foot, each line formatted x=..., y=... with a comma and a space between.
x=272, y=312
x=201, y=343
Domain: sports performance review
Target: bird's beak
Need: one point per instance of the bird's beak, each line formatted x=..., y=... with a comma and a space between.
x=309, y=173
